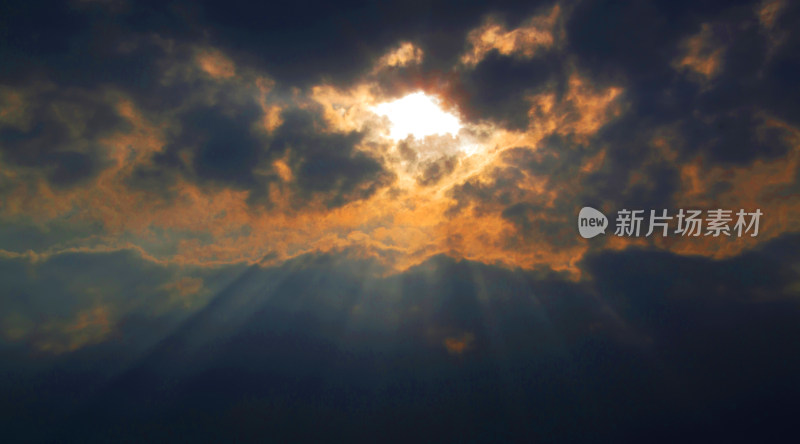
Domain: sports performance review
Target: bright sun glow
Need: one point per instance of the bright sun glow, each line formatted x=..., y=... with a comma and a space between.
x=419, y=115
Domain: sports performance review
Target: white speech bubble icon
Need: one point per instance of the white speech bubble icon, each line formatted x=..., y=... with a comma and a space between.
x=591, y=222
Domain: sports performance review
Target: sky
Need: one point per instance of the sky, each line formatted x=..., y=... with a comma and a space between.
x=359, y=221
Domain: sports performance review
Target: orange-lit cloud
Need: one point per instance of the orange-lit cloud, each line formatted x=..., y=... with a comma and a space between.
x=702, y=56
x=460, y=344
x=764, y=184
x=538, y=33
x=405, y=221
x=215, y=64
x=402, y=225
x=185, y=291
x=404, y=55
x=769, y=11
x=89, y=326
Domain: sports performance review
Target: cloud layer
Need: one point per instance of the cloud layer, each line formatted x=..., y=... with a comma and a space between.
x=196, y=192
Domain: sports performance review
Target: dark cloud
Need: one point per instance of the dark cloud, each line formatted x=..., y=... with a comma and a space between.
x=299, y=43
x=62, y=134
x=652, y=339
x=637, y=46
x=735, y=137
x=498, y=87
x=327, y=164
x=633, y=42
x=304, y=42
x=225, y=146
x=85, y=317
x=436, y=170
x=536, y=215
x=58, y=288
x=81, y=46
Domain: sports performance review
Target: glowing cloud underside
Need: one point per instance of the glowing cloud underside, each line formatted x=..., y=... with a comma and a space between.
x=419, y=115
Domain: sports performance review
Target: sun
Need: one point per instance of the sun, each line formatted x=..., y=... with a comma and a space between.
x=419, y=115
